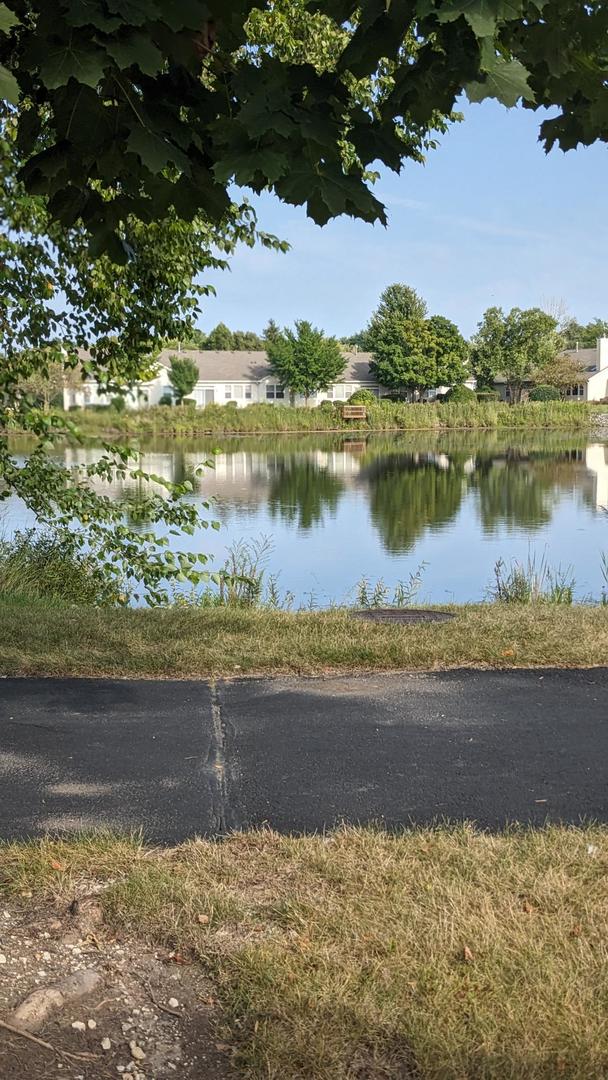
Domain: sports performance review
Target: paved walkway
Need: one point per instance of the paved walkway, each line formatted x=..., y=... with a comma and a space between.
x=186, y=758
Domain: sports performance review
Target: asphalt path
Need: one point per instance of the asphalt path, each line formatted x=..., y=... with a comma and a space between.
x=179, y=759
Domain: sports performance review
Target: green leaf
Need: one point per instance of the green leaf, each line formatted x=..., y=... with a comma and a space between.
x=79, y=60
x=482, y=16
x=91, y=13
x=135, y=12
x=137, y=49
x=155, y=151
x=8, y=19
x=243, y=166
x=506, y=80
x=9, y=87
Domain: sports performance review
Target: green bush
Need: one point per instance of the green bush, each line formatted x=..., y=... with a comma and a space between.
x=189, y=403
x=544, y=393
x=327, y=407
x=166, y=399
x=487, y=395
x=118, y=403
x=362, y=397
x=460, y=395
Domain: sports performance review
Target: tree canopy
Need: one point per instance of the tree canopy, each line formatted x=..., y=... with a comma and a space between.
x=140, y=109
x=305, y=360
x=583, y=335
x=410, y=352
x=183, y=376
x=516, y=346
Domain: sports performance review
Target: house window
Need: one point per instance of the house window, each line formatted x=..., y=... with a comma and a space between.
x=280, y=391
x=330, y=393
x=270, y=391
x=228, y=392
x=274, y=391
x=238, y=392
x=248, y=391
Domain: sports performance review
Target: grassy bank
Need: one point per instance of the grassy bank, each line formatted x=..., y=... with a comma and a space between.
x=384, y=416
x=430, y=955
x=50, y=638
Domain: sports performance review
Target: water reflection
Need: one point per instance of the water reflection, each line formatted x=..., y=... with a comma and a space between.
x=340, y=507
x=304, y=491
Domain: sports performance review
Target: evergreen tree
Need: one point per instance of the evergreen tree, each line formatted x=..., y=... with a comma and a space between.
x=220, y=338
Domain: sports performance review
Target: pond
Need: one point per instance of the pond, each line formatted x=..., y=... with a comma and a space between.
x=338, y=508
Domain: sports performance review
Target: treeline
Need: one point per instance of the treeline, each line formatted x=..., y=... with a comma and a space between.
x=222, y=338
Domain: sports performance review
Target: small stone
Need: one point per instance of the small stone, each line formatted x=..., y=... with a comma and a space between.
x=79, y=1026
x=2, y=958
x=174, y=1003
x=91, y=1024
x=46, y=956
x=136, y=1051
x=120, y=1068
x=106, y=1044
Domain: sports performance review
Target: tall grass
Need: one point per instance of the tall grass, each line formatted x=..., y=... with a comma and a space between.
x=42, y=565
x=532, y=582
x=382, y=416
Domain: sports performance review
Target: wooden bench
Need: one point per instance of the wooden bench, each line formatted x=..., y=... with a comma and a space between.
x=354, y=412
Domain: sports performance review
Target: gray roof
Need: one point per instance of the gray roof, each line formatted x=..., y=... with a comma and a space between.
x=244, y=366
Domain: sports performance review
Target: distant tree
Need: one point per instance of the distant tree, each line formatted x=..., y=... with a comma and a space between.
x=247, y=340
x=451, y=352
x=45, y=387
x=197, y=339
x=487, y=348
x=412, y=353
x=560, y=371
x=516, y=346
x=220, y=338
x=403, y=359
x=183, y=376
x=272, y=332
x=398, y=303
x=305, y=360
x=530, y=341
x=583, y=335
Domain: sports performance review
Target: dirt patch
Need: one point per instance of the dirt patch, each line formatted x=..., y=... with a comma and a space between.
x=152, y=1016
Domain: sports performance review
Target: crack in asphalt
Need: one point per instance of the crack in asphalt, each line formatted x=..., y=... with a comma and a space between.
x=216, y=760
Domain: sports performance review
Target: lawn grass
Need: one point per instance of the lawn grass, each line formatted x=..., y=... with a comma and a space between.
x=434, y=954
x=49, y=638
x=383, y=416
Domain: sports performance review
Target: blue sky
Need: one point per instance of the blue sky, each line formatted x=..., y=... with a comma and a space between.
x=490, y=219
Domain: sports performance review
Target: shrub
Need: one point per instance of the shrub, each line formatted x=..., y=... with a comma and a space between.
x=487, y=395
x=544, y=393
x=118, y=403
x=460, y=395
x=189, y=402
x=166, y=399
x=327, y=406
x=231, y=405
x=362, y=397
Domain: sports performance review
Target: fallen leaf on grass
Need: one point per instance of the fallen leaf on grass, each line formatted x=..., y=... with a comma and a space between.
x=527, y=907
x=56, y=865
x=467, y=955
x=202, y=919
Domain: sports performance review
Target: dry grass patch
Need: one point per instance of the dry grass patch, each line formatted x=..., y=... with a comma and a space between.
x=434, y=954
x=44, y=639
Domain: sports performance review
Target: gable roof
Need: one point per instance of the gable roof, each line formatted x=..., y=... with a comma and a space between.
x=248, y=366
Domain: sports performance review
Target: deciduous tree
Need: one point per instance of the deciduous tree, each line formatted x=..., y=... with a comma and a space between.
x=183, y=376
x=305, y=360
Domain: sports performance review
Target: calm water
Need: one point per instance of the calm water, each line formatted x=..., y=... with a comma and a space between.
x=339, y=508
